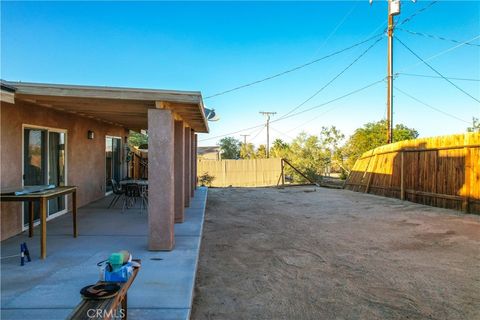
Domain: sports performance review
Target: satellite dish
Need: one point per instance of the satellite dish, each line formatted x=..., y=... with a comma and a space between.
x=211, y=115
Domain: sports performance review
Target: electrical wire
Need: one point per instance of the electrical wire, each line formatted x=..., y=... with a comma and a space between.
x=431, y=76
x=312, y=119
x=429, y=106
x=413, y=15
x=301, y=112
x=316, y=117
x=336, y=28
x=282, y=133
x=292, y=69
x=437, y=37
x=434, y=70
x=258, y=133
x=333, y=79
x=234, y=132
x=441, y=53
x=331, y=101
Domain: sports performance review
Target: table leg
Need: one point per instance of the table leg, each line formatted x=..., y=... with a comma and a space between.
x=43, y=230
x=74, y=213
x=30, y=218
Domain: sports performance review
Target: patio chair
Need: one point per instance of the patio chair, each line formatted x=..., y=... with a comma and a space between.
x=133, y=192
x=117, y=191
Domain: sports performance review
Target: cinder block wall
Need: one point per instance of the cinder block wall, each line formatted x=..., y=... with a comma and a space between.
x=242, y=173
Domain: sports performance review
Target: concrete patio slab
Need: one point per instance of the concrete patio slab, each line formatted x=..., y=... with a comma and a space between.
x=49, y=289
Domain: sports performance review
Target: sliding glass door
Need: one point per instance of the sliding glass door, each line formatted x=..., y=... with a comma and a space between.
x=56, y=161
x=113, y=162
x=44, y=162
x=34, y=164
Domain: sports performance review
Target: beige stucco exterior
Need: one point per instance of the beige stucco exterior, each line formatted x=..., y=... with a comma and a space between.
x=85, y=158
x=107, y=111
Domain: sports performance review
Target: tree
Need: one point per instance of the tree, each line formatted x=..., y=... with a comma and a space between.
x=229, y=148
x=307, y=155
x=279, y=149
x=475, y=125
x=247, y=151
x=261, y=152
x=136, y=139
x=372, y=135
x=330, y=139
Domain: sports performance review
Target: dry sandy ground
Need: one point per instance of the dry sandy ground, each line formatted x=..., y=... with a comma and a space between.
x=334, y=254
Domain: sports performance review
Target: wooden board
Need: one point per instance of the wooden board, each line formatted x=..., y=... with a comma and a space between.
x=81, y=312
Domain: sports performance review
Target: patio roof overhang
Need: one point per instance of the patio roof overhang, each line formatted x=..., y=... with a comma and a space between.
x=126, y=107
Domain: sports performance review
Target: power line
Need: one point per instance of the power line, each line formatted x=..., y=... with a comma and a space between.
x=413, y=15
x=282, y=133
x=333, y=79
x=318, y=116
x=333, y=100
x=292, y=69
x=313, y=119
x=234, y=132
x=258, y=133
x=438, y=37
x=300, y=112
x=442, y=52
x=434, y=70
x=429, y=106
x=431, y=76
x=336, y=27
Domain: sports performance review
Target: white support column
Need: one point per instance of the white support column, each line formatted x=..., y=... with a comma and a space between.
x=187, y=169
x=179, y=174
x=161, y=213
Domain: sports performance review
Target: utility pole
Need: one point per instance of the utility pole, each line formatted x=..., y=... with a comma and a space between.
x=393, y=10
x=245, y=138
x=267, y=115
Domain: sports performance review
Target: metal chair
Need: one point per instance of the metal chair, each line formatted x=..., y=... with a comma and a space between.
x=117, y=191
x=132, y=193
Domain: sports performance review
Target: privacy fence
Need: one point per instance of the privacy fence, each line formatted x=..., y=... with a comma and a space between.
x=241, y=173
x=138, y=164
x=440, y=171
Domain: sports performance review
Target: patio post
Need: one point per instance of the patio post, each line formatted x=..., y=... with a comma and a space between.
x=193, y=175
x=196, y=163
x=161, y=212
x=179, y=165
x=187, y=169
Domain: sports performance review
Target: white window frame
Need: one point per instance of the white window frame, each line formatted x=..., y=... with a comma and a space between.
x=107, y=193
x=48, y=129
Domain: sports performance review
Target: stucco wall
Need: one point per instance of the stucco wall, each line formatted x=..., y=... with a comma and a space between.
x=85, y=158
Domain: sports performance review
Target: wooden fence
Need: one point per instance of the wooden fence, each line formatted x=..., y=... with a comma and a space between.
x=440, y=171
x=241, y=173
x=138, y=165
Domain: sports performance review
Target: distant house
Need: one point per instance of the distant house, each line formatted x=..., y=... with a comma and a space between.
x=209, y=153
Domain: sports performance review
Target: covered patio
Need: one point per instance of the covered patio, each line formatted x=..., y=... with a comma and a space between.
x=86, y=116
x=49, y=289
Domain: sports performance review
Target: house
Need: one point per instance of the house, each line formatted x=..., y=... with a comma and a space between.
x=209, y=153
x=76, y=135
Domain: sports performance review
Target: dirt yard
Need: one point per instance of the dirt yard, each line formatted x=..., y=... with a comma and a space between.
x=301, y=253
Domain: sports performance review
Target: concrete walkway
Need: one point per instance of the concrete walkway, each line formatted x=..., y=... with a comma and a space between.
x=49, y=289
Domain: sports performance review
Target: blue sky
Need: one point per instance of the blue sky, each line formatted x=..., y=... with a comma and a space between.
x=215, y=46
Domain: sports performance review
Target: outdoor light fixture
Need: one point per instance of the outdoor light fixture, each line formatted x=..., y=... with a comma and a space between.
x=90, y=134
